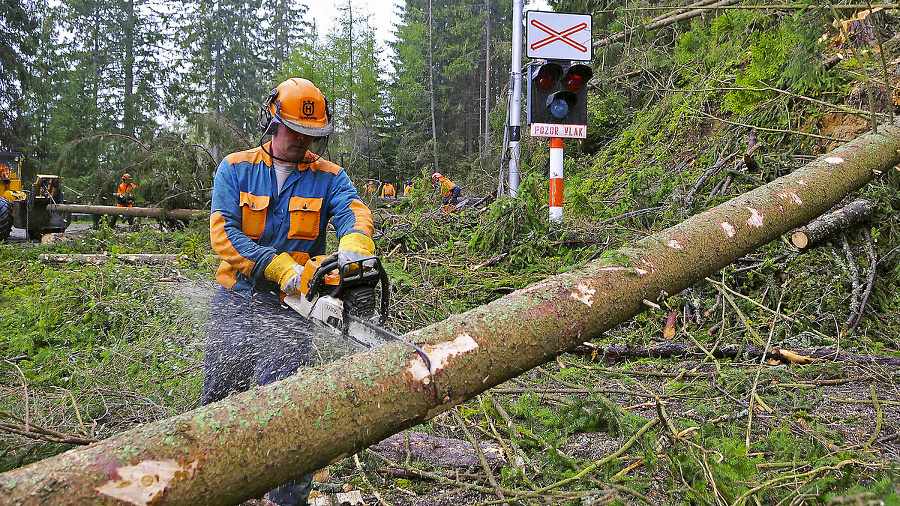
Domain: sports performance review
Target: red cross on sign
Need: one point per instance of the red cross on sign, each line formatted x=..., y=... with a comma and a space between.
x=558, y=36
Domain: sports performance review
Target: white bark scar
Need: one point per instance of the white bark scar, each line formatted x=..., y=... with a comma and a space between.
x=142, y=483
x=834, y=160
x=584, y=294
x=801, y=182
x=674, y=244
x=440, y=355
x=755, y=219
x=636, y=270
x=791, y=196
x=728, y=228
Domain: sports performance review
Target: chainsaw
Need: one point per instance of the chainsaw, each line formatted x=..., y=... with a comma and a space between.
x=342, y=298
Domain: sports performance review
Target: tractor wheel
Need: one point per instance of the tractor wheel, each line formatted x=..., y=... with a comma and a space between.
x=5, y=219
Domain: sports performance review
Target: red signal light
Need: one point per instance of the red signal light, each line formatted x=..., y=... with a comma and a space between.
x=544, y=81
x=574, y=83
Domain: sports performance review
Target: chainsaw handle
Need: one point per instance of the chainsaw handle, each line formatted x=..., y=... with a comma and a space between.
x=318, y=277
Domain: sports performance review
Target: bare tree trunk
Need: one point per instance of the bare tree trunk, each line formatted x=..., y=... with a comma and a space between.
x=350, y=87
x=246, y=444
x=128, y=116
x=487, y=77
x=434, y=144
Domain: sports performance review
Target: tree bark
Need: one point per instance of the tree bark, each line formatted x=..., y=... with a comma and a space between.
x=831, y=223
x=128, y=116
x=434, y=145
x=438, y=451
x=138, y=212
x=250, y=442
x=487, y=78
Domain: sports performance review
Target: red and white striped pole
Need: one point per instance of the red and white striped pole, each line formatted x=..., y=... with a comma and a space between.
x=556, y=180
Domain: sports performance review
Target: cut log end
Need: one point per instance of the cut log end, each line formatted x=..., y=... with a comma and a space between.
x=799, y=239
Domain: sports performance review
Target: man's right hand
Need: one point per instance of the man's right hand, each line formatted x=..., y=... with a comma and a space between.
x=285, y=271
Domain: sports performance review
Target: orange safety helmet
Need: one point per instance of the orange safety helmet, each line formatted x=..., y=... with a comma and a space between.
x=435, y=177
x=299, y=105
x=126, y=176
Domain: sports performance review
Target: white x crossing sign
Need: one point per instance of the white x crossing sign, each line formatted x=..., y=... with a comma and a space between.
x=558, y=36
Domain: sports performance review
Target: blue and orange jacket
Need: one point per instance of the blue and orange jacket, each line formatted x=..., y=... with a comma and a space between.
x=447, y=187
x=251, y=221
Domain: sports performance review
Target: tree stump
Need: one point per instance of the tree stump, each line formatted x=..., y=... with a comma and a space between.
x=864, y=28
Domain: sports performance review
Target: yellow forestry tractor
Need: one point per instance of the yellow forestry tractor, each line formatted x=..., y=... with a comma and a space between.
x=28, y=209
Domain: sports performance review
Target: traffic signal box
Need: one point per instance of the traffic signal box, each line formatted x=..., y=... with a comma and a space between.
x=557, y=93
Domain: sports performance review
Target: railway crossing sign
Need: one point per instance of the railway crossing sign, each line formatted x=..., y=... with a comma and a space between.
x=558, y=36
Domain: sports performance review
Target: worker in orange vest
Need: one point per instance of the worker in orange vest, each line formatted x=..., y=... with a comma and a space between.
x=388, y=191
x=371, y=188
x=408, y=187
x=449, y=191
x=124, y=198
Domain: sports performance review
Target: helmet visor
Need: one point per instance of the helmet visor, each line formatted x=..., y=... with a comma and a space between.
x=300, y=128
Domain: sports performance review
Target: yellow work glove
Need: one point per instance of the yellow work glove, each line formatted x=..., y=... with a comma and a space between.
x=285, y=271
x=355, y=246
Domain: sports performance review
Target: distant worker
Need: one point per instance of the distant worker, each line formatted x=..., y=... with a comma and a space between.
x=408, y=187
x=449, y=191
x=371, y=188
x=388, y=191
x=124, y=198
x=5, y=182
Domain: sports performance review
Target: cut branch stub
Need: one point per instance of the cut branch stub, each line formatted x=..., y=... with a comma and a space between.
x=815, y=232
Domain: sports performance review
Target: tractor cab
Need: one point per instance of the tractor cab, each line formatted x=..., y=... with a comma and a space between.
x=11, y=176
x=47, y=185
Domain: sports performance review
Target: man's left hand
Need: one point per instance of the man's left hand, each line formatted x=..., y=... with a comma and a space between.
x=354, y=247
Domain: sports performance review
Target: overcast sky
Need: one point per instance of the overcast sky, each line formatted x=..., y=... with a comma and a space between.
x=384, y=13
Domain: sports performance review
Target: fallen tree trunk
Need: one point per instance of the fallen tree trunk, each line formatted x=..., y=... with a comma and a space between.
x=437, y=451
x=131, y=258
x=832, y=223
x=137, y=212
x=246, y=444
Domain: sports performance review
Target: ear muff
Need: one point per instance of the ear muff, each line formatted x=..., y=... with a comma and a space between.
x=266, y=124
x=327, y=108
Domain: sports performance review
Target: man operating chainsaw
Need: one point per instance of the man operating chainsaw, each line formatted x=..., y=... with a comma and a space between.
x=270, y=207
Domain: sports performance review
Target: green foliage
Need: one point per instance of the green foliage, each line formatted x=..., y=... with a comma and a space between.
x=81, y=328
x=511, y=223
x=786, y=58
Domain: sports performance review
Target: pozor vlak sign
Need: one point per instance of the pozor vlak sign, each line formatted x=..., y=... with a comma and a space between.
x=557, y=88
